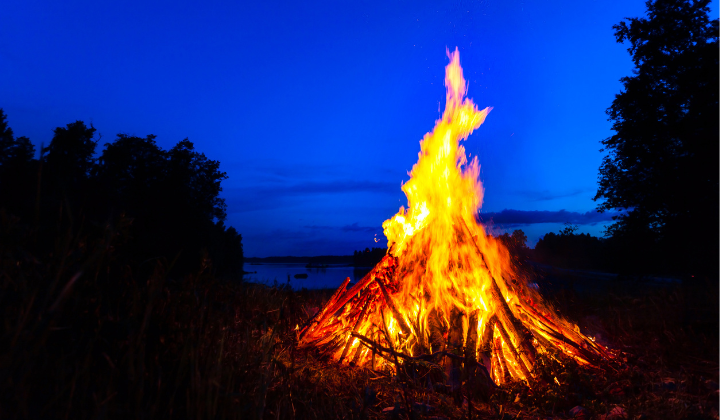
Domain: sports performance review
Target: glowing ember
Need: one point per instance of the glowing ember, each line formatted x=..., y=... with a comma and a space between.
x=445, y=285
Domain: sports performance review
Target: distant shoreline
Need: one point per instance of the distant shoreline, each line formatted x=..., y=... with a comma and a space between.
x=325, y=259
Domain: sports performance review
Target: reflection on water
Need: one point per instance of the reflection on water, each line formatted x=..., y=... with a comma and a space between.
x=327, y=277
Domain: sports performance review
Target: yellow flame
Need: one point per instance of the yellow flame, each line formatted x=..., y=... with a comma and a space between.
x=448, y=267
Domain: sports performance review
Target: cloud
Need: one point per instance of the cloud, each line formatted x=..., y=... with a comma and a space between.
x=522, y=217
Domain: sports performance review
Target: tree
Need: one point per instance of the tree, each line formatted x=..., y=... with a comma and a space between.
x=69, y=157
x=516, y=244
x=17, y=170
x=13, y=150
x=662, y=165
x=128, y=174
x=197, y=179
x=172, y=197
x=568, y=249
x=569, y=229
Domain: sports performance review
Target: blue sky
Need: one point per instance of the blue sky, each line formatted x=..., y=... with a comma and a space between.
x=315, y=109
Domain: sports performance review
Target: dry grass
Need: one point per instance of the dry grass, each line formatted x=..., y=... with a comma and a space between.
x=87, y=334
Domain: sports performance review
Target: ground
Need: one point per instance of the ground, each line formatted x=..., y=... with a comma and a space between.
x=666, y=336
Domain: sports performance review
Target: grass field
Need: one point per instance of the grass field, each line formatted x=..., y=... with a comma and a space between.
x=87, y=334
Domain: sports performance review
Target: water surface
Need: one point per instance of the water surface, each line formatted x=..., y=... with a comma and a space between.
x=329, y=277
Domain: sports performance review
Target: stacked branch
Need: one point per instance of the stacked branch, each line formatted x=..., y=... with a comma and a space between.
x=446, y=293
x=364, y=326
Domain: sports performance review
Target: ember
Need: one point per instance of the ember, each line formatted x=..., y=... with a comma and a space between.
x=445, y=288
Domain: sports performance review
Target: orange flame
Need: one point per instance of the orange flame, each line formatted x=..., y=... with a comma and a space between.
x=450, y=277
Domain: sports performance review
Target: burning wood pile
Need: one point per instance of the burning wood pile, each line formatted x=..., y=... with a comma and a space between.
x=445, y=290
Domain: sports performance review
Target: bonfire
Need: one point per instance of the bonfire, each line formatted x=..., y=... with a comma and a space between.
x=446, y=289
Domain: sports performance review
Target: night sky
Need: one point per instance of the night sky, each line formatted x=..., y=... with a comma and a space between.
x=316, y=109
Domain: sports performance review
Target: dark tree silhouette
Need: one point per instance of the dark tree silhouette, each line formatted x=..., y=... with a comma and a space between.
x=662, y=162
x=166, y=203
x=17, y=169
x=196, y=179
x=172, y=197
x=69, y=157
x=129, y=173
x=571, y=250
x=368, y=257
x=516, y=243
x=13, y=151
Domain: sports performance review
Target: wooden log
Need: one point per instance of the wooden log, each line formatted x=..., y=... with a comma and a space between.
x=424, y=357
x=513, y=351
x=346, y=297
x=551, y=328
x=455, y=344
x=372, y=360
x=471, y=339
x=355, y=328
x=486, y=344
x=500, y=355
x=511, y=324
x=323, y=310
x=396, y=314
x=356, y=356
x=437, y=329
x=503, y=311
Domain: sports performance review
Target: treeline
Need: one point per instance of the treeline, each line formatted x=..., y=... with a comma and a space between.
x=368, y=257
x=115, y=281
x=164, y=203
x=635, y=256
x=322, y=259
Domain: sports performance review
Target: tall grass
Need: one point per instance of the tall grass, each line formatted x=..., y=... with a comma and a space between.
x=89, y=333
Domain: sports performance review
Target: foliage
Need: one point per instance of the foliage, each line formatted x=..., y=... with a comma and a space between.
x=13, y=151
x=17, y=166
x=171, y=198
x=516, y=244
x=85, y=336
x=368, y=257
x=571, y=250
x=662, y=160
x=69, y=157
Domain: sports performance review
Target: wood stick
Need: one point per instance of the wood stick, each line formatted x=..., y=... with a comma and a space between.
x=424, y=357
x=386, y=332
x=501, y=360
x=310, y=322
x=372, y=363
x=355, y=328
x=518, y=360
x=551, y=328
x=356, y=356
x=487, y=343
x=388, y=299
x=503, y=310
x=471, y=339
x=455, y=338
x=331, y=309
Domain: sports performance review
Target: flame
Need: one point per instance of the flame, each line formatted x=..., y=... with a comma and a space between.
x=451, y=281
x=443, y=189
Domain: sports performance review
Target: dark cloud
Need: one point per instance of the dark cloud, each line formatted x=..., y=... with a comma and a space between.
x=521, y=217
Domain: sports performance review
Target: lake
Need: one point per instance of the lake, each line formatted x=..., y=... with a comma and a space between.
x=329, y=277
